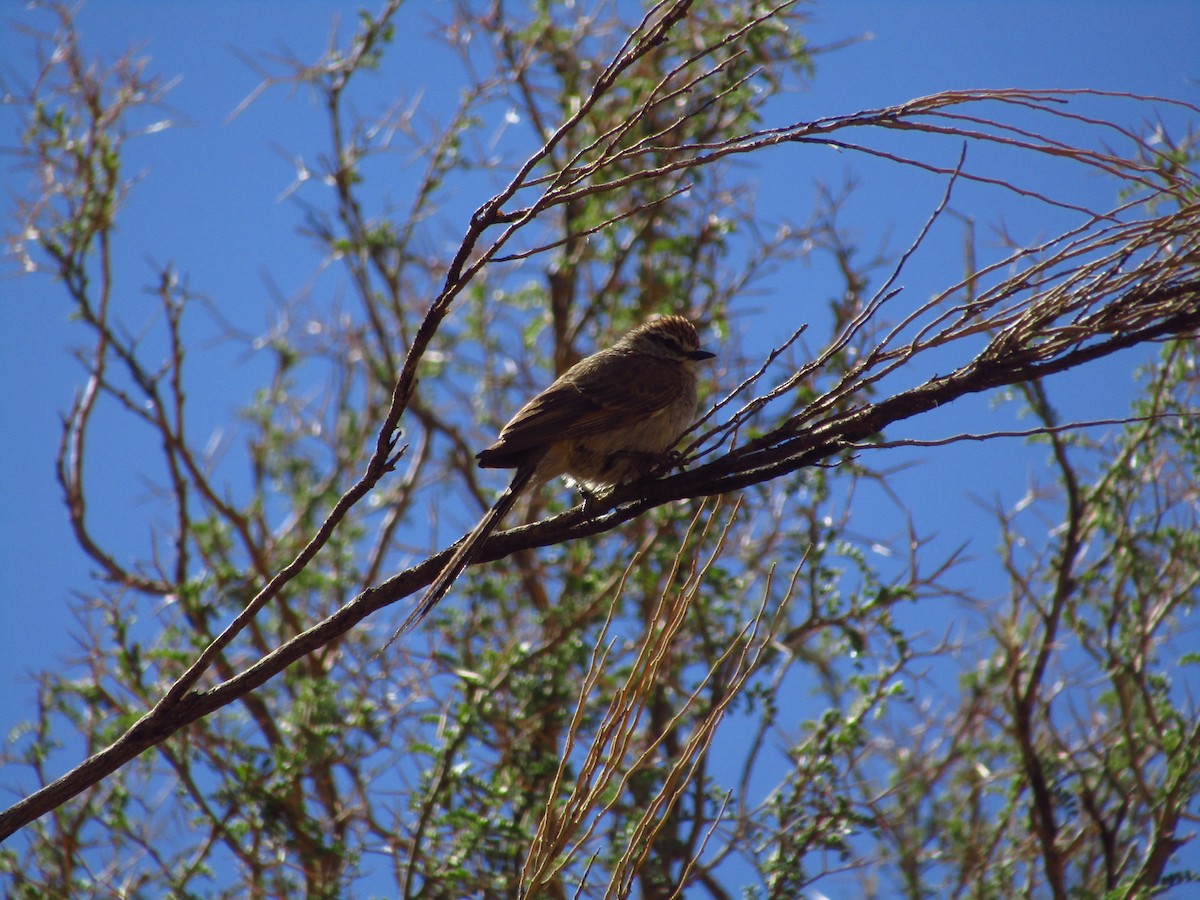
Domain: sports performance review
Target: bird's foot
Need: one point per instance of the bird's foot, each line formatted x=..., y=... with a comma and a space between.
x=591, y=500
x=669, y=461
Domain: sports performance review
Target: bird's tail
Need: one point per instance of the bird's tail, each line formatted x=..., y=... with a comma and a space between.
x=467, y=550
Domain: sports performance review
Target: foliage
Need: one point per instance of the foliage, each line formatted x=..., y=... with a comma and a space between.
x=619, y=714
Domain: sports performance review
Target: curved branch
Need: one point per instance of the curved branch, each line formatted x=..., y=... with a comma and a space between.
x=778, y=453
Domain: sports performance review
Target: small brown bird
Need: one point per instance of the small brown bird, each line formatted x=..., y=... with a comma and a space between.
x=606, y=420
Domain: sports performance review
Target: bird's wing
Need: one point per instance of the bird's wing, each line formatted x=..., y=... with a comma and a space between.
x=591, y=402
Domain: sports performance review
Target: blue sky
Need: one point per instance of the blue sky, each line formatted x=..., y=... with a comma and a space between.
x=211, y=200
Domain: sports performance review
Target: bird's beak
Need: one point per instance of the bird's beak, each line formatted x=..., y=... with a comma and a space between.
x=699, y=355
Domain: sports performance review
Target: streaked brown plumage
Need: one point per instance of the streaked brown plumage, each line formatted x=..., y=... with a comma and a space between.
x=606, y=420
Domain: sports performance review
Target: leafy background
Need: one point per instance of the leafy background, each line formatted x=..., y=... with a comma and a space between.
x=220, y=198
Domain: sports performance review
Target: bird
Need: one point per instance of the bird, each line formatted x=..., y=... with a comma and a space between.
x=608, y=419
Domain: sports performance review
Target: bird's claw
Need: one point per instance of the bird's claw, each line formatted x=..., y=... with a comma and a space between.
x=669, y=461
x=590, y=501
